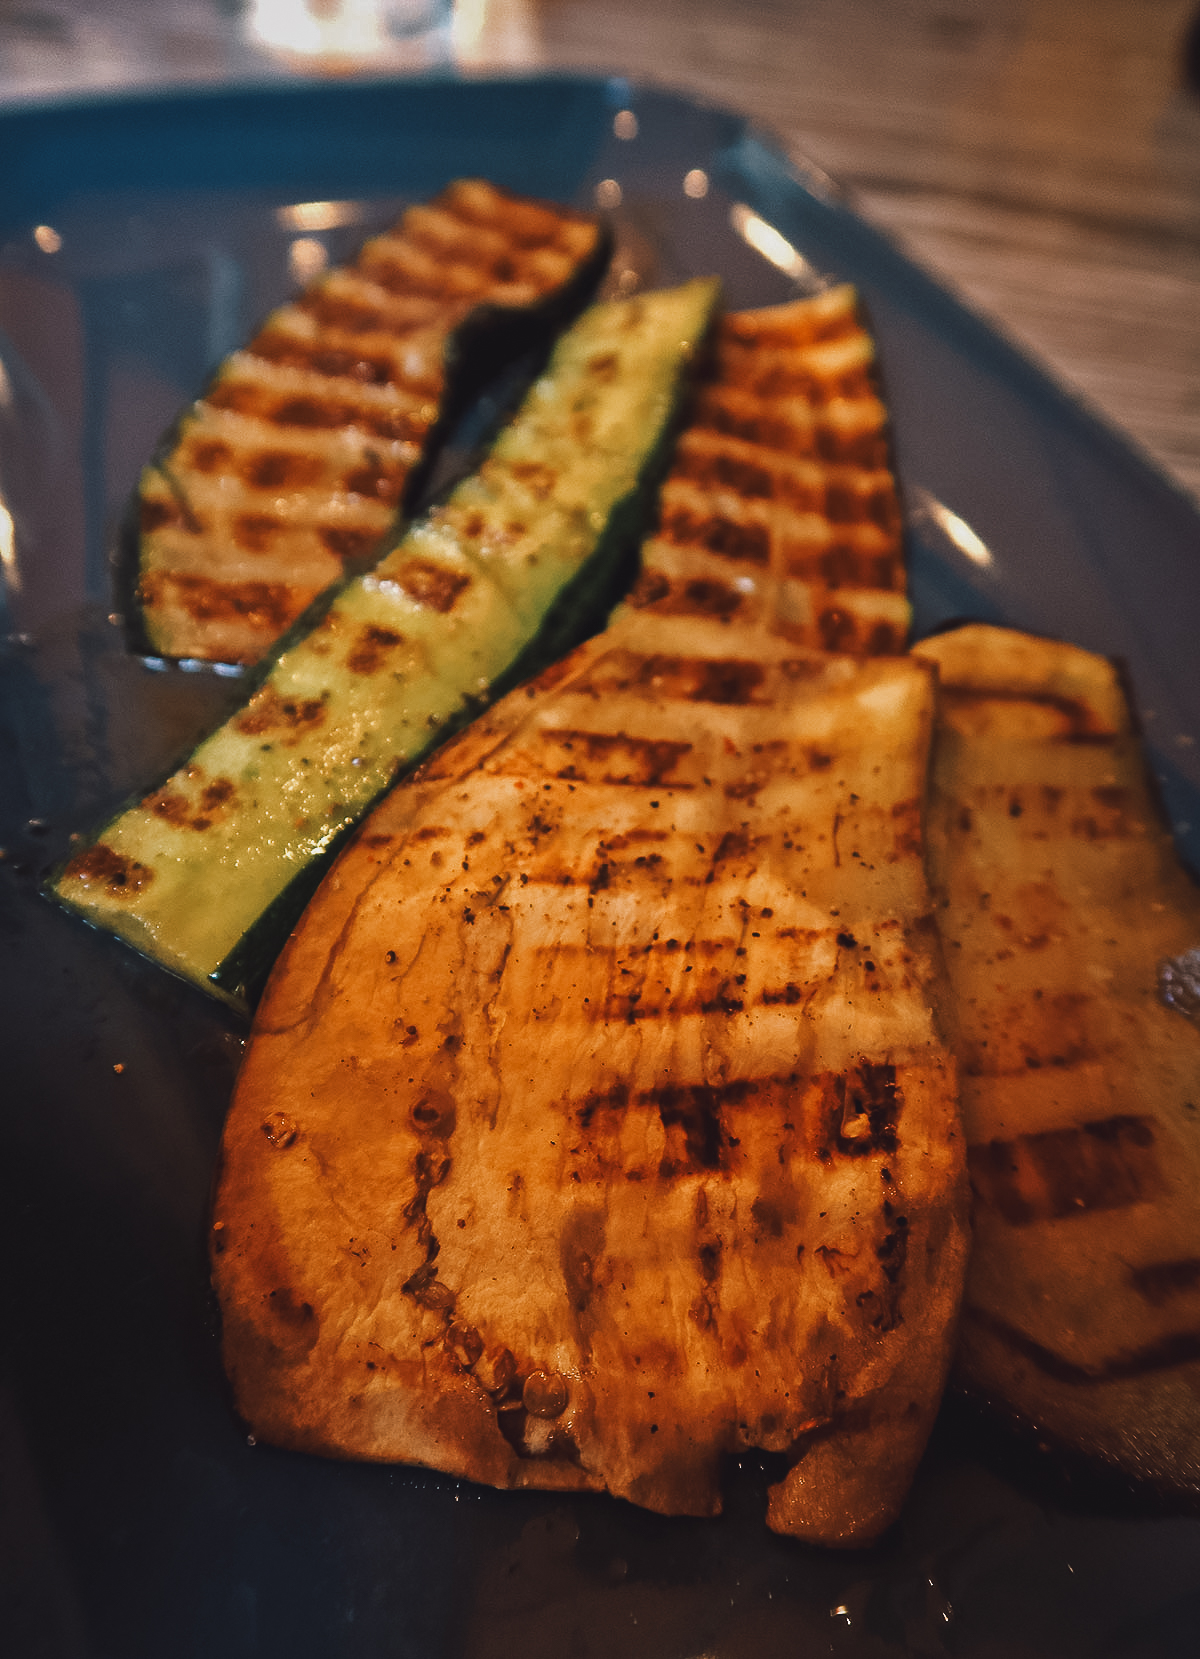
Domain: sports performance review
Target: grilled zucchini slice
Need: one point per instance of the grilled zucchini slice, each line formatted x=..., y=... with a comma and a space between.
x=207, y=872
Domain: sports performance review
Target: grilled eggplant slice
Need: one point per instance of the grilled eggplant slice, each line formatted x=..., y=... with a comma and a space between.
x=1067, y=921
x=781, y=502
x=305, y=449
x=207, y=872
x=596, y=1121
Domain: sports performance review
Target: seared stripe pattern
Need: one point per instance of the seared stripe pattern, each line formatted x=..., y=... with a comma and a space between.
x=1058, y=894
x=781, y=507
x=297, y=458
x=626, y=1137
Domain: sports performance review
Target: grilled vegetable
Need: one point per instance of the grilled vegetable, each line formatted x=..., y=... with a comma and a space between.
x=309, y=442
x=1069, y=928
x=596, y=1122
x=780, y=502
x=207, y=872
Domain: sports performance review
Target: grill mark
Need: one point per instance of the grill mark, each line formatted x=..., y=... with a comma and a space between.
x=435, y=586
x=713, y=470
x=538, y=478
x=632, y=838
x=702, y=991
x=697, y=596
x=638, y=761
x=743, y=543
x=254, y=532
x=348, y=543
x=764, y=474
x=1081, y=723
x=684, y=679
x=693, y=1112
x=267, y=713
x=206, y=454
x=336, y=363
x=844, y=566
x=121, y=876
x=309, y=411
x=789, y=375
x=266, y=606
x=180, y=810
x=1106, y=1164
x=1180, y=1348
x=526, y=223
x=753, y=420
x=371, y=648
x=853, y=1114
x=274, y=469
x=1160, y=1282
x=729, y=681
x=860, y=1109
x=690, y=1113
x=378, y=478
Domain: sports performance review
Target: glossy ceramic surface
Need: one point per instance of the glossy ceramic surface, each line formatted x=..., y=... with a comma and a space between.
x=139, y=241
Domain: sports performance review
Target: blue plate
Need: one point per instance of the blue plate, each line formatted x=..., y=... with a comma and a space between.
x=140, y=240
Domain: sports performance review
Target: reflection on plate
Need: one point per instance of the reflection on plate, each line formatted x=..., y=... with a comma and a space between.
x=139, y=241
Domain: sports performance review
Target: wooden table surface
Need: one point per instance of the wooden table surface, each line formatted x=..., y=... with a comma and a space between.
x=1042, y=157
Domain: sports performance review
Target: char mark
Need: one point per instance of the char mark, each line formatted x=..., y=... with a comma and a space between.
x=1106, y=1164
x=616, y=757
x=1178, y=1348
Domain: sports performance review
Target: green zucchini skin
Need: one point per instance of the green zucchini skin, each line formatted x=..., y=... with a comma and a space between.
x=183, y=579
x=208, y=873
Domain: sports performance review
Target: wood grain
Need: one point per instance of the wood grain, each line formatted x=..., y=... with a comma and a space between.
x=1041, y=157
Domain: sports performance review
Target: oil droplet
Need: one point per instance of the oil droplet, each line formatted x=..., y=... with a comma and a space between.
x=544, y=1394
x=465, y=1343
